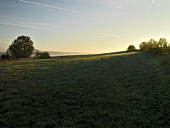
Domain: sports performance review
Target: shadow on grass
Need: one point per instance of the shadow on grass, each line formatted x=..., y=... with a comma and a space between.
x=113, y=90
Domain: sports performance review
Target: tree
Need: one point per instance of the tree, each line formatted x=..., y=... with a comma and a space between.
x=143, y=46
x=149, y=45
x=163, y=43
x=22, y=47
x=131, y=48
x=159, y=48
x=42, y=55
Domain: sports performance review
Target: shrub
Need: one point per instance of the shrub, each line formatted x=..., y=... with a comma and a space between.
x=131, y=48
x=4, y=57
x=42, y=55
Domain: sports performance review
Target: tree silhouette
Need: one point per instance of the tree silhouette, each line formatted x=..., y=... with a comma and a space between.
x=42, y=55
x=131, y=48
x=22, y=47
x=163, y=43
x=161, y=47
x=4, y=57
x=143, y=46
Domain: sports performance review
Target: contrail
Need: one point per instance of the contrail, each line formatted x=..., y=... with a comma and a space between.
x=22, y=25
x=153, y=1
x=109, y=35
x=49, y=6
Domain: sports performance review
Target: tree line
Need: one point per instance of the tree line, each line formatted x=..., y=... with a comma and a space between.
x=22, y=47
x=155, y=47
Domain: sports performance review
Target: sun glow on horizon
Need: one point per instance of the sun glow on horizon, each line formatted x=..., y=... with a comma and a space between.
x=92, y=26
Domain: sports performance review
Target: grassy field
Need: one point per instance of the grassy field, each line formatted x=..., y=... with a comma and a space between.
x=129, y=90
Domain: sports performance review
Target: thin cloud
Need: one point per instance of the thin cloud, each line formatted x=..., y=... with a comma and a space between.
x=107, y=34
x=49, y=6
x=22, y=25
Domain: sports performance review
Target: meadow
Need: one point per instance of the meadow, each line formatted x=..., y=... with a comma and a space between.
x=123, y=90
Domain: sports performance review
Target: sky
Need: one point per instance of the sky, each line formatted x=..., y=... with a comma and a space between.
x=88, y=26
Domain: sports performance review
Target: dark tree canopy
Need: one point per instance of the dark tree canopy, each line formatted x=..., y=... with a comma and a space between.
x=42, y=55
x=4, y=57
x=22, y=47
x=163, y=43
x=131, y=48
x=152, y=44
x=146, y=46
x=156, y=47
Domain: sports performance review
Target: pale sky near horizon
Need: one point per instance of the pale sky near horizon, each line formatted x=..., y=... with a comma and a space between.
x=89, y=26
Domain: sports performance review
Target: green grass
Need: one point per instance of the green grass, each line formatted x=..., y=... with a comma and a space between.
x=129, y=90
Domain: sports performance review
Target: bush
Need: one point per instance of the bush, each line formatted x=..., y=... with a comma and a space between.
x=131, y=48
x=42, y=55
x=4, y=57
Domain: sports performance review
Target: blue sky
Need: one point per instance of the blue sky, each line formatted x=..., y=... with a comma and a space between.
x=90, y=26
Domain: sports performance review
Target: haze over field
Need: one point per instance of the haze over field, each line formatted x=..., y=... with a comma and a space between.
x=88, y=26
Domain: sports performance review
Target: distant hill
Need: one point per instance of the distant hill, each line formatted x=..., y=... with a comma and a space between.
x=57, y=53
x=54, y=53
